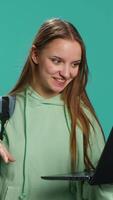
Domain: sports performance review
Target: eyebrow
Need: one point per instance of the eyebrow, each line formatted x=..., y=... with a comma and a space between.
x=76, y=61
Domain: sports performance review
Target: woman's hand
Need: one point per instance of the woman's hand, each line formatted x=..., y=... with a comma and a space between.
x=6, y=156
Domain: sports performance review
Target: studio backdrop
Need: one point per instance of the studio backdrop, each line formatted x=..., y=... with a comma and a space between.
x=19, y=22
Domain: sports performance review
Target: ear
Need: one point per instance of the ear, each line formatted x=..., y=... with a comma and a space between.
x=34, y=54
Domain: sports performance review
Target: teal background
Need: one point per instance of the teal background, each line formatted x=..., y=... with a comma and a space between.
x=19, y=22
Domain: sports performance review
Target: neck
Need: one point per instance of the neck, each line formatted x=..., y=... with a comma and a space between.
x=37, y=89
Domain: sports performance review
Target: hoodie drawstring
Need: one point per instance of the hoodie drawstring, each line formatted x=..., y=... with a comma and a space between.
x=23, y=193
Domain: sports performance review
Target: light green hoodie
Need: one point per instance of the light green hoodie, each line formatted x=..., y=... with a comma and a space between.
x=38, y=137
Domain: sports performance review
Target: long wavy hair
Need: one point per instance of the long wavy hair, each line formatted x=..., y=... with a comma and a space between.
x=75, y=91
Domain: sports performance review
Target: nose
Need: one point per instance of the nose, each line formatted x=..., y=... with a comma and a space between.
x=65, y=72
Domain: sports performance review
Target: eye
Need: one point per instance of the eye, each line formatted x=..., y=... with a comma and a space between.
x=74, y=65
x=55, y=60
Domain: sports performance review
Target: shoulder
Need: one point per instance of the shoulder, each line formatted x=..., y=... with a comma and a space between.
x=87, y=111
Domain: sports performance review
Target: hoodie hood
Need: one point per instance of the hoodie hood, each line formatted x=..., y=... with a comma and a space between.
x=37, y=99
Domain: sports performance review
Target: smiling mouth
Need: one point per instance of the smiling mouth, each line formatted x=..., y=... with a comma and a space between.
x=60, y=80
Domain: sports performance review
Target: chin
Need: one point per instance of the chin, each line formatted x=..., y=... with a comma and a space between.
x=57, y=91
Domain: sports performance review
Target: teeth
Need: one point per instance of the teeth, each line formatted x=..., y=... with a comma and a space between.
x=60, y=79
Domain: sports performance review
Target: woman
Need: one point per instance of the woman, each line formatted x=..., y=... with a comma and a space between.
x=54, y=128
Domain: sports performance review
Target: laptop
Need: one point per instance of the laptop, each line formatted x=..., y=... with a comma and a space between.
x=103, y=174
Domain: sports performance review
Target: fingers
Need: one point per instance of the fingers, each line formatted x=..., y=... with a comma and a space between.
x=10, y=157
x=6, y=156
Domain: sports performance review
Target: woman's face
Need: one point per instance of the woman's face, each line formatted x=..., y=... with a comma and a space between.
x=57, y=65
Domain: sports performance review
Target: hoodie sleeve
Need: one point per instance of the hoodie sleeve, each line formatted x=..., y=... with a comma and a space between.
x=102, y=192
x=84, y=191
